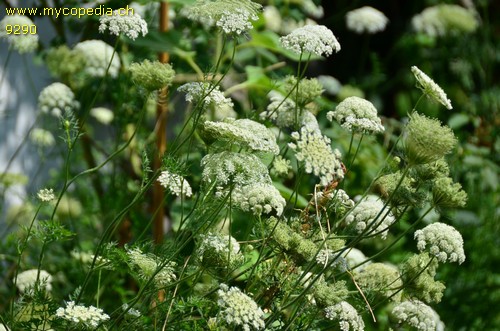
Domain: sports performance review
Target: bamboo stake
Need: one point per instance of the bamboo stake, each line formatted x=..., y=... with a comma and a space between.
x=161, y=137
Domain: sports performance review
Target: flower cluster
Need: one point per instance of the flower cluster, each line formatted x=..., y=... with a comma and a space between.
x=228, y=168
x=97, y=56
x=175, y=183
x=258, y=198
x=152, y=76
x=382, y=279
x=366, y=19
x=314, y=150
x=354, y=257
x=148, y=266
x=418, y=274
x=27, y=280
x=102, y=115
x=357, y=115
x=444, y=242
x=430, y=88
x=56, y=99
x=205, y=92
x=315, y=39
x=330, y=84
x=130, y=25
x=444, y=19
x=417, y=315
x=89, y=317
x=427, y=140
x=446, y=193
x=239, y=310
x=42, y=138
x=244, y=132
x=346, y=315
x=46, y=195
x=216, y=250
x=281, y=166
x=370, y=213
x=87, y=258
x=231, y=16
x=22, y=43
x=303, y=91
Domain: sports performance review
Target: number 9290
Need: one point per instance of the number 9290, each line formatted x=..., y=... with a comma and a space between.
x=20, y=29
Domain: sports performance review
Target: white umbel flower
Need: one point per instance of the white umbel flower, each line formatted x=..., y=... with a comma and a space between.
x=26, y=280
x=46, y=195
x=314, y=150
x=418, y=315
x=22, y=43
x=175, y=183
x=130, y=25
x=368, y=214
x=258, y=198
x=42, y=138
x=366, y=19
x=231, y=16
x=346, y=315
x=218, y=250
x=102, y=115
x=316, y=39
x=205, y=92
x=443, y=240
x=357, y=115
x=56, y=99
x=245, y=133
x=430, y=88
x=89, y=317
x=239, y=310
x=97, y=55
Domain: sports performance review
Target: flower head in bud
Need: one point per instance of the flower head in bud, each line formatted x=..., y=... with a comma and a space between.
x=308, y=89
x=46, y=195
x=42, y=138
x=97, y=56
x=447, y=194
x=281, y=166
x=406, y=193
x=26, y=281
x=88, y=317
x=22, y=43
x=417, y=315
x=366, y=19
x=444, y=242
x=418, y=276
x=329, y=294
x=315, y=39
x=56, y=99
x=346, y=315
x=381, y=279
x=314, y=150
x=219, y=251
x=231, y=16
x=152, y=76
x=427, y=140
x=370, y=213
x=430, y=88
x=357, y=115
x=244, y=132
x=147, y=266
x=239, y=310
x=130, y=25
x=175, y=183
